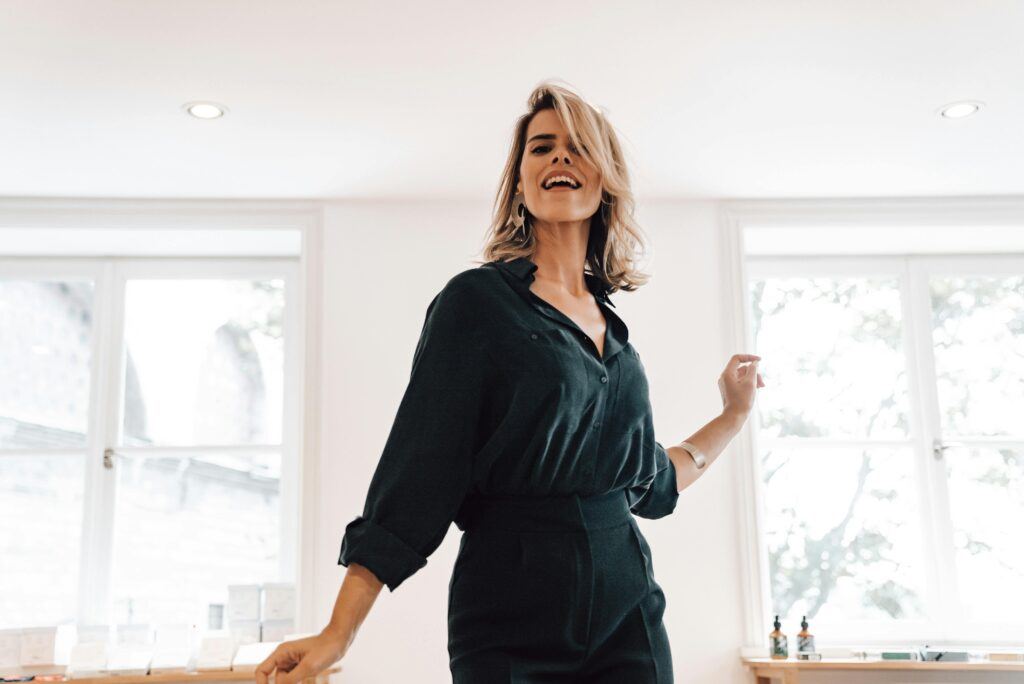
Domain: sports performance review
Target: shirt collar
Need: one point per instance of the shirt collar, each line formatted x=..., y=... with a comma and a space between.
x=523, y=268
x=521, y=271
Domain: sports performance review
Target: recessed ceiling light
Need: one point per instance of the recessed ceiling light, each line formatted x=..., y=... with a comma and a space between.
x=958, y=110
x=205, y=109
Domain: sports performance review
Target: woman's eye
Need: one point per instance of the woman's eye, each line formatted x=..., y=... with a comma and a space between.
x=545, y=148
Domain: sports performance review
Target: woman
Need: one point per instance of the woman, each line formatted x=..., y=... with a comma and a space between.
x=527, y=422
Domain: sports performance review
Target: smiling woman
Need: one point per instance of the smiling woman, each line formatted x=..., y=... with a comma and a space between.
x=527, y=422
x=568, y=191
x=595, y=186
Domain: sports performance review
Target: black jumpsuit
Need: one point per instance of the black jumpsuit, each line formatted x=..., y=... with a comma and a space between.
x=541, y=451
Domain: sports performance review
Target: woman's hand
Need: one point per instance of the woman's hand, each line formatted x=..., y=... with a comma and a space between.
x=296, y=660
x=738, y=385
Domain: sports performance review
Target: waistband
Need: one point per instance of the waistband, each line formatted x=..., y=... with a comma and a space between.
x=548, y=514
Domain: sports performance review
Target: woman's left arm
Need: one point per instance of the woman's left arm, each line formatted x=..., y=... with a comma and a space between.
x=738, y=385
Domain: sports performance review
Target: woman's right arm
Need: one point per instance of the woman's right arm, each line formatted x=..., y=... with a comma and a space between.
x=296, y=660
x=358, y=592
x=420, y=481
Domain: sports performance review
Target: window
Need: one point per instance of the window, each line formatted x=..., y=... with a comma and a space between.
x=146, y=455
x=889, y=446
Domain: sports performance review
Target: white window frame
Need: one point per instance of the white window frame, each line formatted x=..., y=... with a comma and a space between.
x=300, y=433
x=913, y=270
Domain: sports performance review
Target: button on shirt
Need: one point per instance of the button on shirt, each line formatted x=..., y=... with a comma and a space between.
x=507, y=397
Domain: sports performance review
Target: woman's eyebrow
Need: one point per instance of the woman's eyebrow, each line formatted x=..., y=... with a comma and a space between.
x=542, y=136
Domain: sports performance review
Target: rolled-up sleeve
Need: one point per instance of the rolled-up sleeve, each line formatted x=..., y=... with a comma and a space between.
x=659, y=497
x=426, y=467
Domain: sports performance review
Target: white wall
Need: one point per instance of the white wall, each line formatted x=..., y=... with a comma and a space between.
x=383, y=262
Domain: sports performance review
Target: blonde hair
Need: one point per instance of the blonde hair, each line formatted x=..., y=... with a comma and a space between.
x=616, y=240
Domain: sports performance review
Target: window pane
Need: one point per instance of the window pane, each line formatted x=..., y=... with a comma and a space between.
x=986, y=488
x=186, y=528
x=833, y=356
x=45, y=356
x=843, y=534
x=204, y=362
x=40, y=530
x=978, y=335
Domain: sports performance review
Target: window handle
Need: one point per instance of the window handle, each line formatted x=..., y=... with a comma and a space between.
x=108, y=458
x=938, y=446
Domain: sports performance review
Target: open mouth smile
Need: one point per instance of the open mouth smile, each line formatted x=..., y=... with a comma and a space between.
x=561, y=181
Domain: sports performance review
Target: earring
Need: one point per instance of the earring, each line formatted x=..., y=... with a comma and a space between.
x=519, y=212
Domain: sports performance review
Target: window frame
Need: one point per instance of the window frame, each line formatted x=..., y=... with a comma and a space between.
x=299, y=439
x=913, y=272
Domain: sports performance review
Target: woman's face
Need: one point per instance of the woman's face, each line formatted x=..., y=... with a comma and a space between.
x=548, y=153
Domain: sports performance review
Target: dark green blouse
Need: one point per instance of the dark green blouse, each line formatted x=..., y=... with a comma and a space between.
x=507, y=397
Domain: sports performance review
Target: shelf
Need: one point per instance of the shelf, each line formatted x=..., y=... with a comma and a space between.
x=217, y=676
x=764, y=669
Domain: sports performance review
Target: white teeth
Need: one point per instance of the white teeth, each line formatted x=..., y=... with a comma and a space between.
x=549, y=181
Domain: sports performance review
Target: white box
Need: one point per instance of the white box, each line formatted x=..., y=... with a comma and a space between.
x=130, y=659
x=215, y=653
x=278, y=601
x=251, y=655
x=88, y=659
x=171, y=661
x=38, y=646
x=10, y=649
x=172, y=649
x=276, y=630
x=243, y=602
x=245, y=631
x=90, y=653
x=133, y=652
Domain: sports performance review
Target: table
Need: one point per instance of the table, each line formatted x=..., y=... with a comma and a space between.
x=192, y=677
x=788, y=671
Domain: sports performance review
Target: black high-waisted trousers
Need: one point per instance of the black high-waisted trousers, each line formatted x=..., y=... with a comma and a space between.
x=556, y=590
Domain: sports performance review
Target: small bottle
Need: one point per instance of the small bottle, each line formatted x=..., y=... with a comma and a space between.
x=804, y=640
x=779, y=642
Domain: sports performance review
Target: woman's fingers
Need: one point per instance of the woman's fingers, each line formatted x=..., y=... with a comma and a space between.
x=747, y=372
x=736, y=359
x=266, y=668
x=752, y=372
x=282, y=660
x=316, y=659
x=301, y=671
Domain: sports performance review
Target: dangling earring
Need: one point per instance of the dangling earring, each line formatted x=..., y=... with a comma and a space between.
x=519, y=212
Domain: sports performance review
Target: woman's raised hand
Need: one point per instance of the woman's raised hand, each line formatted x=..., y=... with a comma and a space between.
x=738, y=384
x=293, y=661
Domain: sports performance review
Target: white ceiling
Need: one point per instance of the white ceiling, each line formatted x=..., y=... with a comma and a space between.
x=715, y=98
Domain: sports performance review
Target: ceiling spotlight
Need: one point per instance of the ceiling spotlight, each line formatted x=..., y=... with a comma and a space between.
x=205, y=109
x=958, y=110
